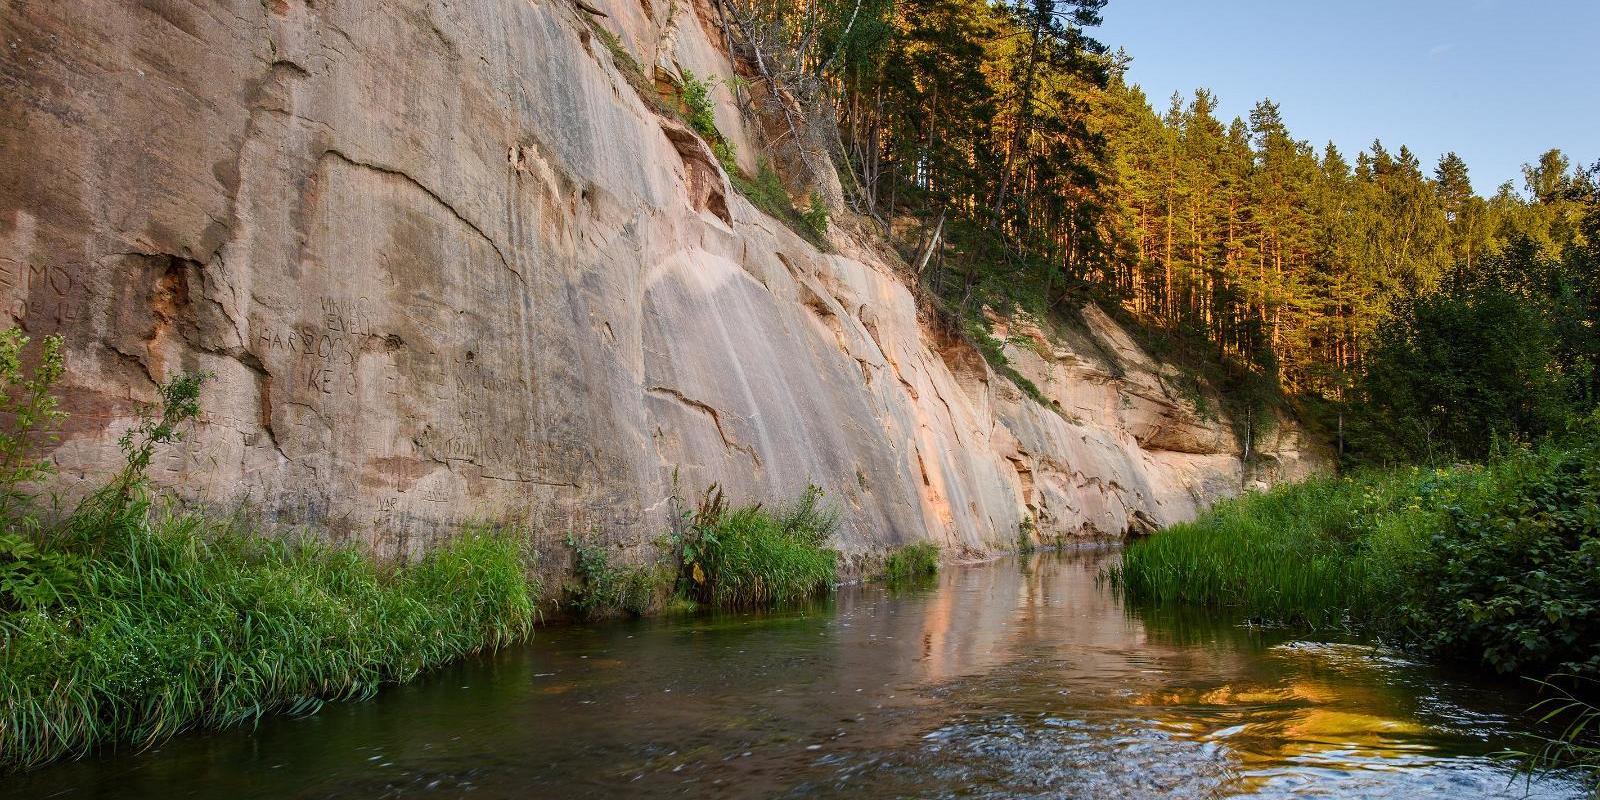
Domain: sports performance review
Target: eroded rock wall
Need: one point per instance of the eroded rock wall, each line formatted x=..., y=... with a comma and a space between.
x=446, y=265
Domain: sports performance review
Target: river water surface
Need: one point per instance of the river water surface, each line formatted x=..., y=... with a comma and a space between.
x=1007, y=679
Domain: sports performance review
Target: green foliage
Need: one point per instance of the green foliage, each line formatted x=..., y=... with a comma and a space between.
x=30, y=576
x=911, y=563
x=606, y=590
x=1505, y=350
x=765, y=191
x=699, y=110
x=994, y=352
x=1497, y=566
x=748, y=557
x=1574, y=750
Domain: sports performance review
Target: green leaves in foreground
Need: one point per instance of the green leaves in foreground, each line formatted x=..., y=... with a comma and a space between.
x=190, y=623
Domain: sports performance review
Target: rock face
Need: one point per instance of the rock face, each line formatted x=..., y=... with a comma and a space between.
x=446, y=265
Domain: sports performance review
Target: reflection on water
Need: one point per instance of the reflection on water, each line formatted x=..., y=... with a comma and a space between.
x=999, y=680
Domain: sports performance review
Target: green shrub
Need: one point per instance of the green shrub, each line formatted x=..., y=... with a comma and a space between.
x=606, y=590
x=1025, y=534
x=749, y=557
x=30, y=410
x=912, y=562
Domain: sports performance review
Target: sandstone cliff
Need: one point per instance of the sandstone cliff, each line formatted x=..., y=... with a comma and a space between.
x=446, y=264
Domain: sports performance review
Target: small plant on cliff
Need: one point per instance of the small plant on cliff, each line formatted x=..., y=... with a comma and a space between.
x=993, y=350
x=699, y=111
x=749, y=557
x=1026, y=530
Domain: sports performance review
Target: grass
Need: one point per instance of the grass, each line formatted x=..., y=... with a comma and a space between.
x=1295, y=555
x=750, y=557
x=911, y=563
x=1573, y=750
x=183, y=622
x=1494, y=566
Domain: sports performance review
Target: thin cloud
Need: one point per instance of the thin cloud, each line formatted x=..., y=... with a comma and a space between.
x=1437, y=51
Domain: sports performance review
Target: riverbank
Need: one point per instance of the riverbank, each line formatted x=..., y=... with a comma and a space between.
x=1495, y=566
x=1011, y=677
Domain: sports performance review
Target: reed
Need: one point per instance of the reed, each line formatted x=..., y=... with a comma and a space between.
x=181, y=622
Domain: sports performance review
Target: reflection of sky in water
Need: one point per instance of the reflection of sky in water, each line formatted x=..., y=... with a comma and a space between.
x=998, y=681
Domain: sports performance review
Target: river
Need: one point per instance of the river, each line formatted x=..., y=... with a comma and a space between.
x=1006, y=679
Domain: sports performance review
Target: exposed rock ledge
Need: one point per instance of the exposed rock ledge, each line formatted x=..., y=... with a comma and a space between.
x=445, y=265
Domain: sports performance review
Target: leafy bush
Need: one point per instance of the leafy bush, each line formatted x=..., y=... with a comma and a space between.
x=606, y=590
x=912, y=562
x=748, y=557
x=1497, y=566
x=1512, y=575
x=29, y=576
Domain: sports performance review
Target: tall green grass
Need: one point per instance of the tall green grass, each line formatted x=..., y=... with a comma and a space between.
x=1318, y=553
x=912, y=562
x=184, y=622
x=749, y=557
x=1496, y=566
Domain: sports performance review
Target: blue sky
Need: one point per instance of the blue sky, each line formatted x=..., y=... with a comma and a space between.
x=1497, y=81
